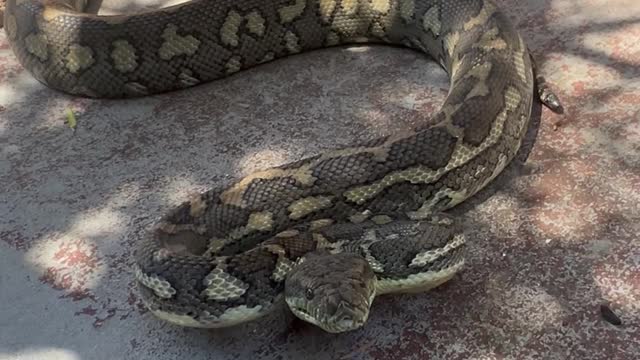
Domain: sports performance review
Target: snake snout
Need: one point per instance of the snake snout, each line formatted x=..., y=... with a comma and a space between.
x=349, y=316
x=352, y=322
x=347, y=324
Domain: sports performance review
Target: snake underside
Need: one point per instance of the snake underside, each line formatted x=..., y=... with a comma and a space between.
x=222, y=258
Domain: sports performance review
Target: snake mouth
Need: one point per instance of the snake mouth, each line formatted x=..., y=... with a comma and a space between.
x=302, y=313
x=345, y=321
x=349, y=323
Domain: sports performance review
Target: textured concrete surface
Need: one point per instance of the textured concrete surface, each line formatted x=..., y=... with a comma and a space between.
x=553, y=238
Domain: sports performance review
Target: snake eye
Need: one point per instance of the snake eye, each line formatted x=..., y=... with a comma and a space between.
x=309, y=293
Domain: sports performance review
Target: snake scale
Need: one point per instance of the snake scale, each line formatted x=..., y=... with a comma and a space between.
x=328, y=233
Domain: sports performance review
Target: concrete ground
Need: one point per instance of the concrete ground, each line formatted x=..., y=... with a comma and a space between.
x=552, y=239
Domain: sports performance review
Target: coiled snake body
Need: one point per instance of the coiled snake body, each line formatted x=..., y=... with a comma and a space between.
x=330, y=232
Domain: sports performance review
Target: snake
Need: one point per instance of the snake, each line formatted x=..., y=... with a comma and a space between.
x=327, y=234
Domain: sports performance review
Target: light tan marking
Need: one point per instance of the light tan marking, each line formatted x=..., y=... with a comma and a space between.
x=290, y=12
x=237, y=233
x=288, y=233
x=51, y=12
x=379, y=153
x=79, y=58
x=483, y=16
x=426, y=257
x=181, y=320
x=175, y=44
x=304, y=174
x=406, y=9
x=455, y=64
x=37, y=45
x=326, y=8
x=229, y=29
x=221, y=286
x=11, y=26
x=360, y=217
x=214, y=246
x=380, y=6
x=490, y=40
x=373, y=262
x=377, y=30
x=197, y=206
x=420, y=282
x=233, y=195
x=187, y=79
x=414, y=175
x=283, y=266
x=427, y=208
x=381, y=219
x=322, y=242
x=232, y=316
x=160, y=286
x=161, y=255
x=233, y=65
x=255, y=23
x=450, y=42
x=502, y=162
x=291, y=42
x=350, y=7
x=481, y=72
x=441, y=220
x=239, y=314
x=520, y=57
x=480, y=89
x=308, y=205
x=124, y=56
x=260, y=221
x=319, y=224
x=431, y=20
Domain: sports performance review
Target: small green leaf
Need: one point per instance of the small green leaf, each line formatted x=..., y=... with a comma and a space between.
x=71, y=119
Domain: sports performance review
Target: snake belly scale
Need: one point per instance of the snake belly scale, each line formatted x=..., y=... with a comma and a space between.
x=330, y=232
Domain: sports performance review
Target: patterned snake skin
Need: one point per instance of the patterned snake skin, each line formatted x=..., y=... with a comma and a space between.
x=327, y=233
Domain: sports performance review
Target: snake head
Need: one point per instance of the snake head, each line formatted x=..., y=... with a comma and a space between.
x=332, y=291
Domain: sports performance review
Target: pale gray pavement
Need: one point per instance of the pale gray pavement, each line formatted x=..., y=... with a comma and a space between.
x=551, y=240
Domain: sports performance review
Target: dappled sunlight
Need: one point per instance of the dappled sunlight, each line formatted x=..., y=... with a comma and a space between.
x=553, y=237
x=579, y=12
x=583, y=69
x=615, y=45
x=41, y=354
x=179, y=189
x=402, y=96
x=261, y=160
x=599, y=141
x=598, y=32
x=615, y=274
x=564, y=222
x=574, y=200
x=534, y=308
x=19, y=88
x=73, y=259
